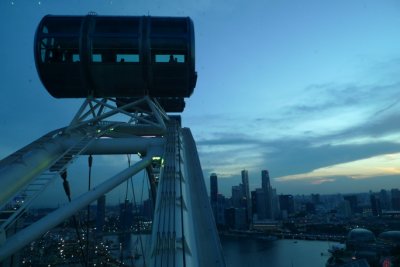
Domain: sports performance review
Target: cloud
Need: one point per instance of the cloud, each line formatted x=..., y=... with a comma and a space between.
x=358, y=169
x=337, y=185
x=321, y=181
x=329, y=125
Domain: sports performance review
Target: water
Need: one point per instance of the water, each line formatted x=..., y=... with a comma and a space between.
x=243, y=252
x=280, y=253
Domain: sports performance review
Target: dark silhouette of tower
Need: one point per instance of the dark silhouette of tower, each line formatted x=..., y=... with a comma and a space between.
x=213, y=187
x=265, y=183
x=266, y=187
x=214, y=194
x=246, y=189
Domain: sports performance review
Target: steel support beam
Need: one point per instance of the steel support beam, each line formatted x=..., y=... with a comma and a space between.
x=35, y=230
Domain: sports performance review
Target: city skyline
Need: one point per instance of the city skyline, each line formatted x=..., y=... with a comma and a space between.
x=309, y=90
x=257, y=182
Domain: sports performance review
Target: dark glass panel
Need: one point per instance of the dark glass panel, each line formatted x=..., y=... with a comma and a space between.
x=117, y=26
x=62, y=26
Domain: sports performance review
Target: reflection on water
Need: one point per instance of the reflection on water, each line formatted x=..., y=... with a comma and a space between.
x=279, y=253
x=238, y=252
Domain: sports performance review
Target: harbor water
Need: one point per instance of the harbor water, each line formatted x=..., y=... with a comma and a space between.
x=243, y=252
x=246, y=251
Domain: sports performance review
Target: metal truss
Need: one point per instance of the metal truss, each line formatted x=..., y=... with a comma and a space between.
x=143, y=116
x=183, y=233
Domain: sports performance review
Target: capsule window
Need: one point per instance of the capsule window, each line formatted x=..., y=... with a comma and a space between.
x=110, y=49
x=59, y=50
x=127, y=58
x=97, y=58
x=169, y=58
x=110, y=56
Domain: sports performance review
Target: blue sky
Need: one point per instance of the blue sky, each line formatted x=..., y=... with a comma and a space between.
x=306, y=89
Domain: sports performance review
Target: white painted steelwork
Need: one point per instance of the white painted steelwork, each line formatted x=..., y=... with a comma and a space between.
x=35, y=230
x=184, y=232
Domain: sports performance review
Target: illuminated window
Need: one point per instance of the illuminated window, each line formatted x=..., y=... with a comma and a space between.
x=171, y=58
x=127, y=58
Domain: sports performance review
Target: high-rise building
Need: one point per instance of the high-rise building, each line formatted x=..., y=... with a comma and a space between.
x=253, y=203
x=213, y=187
x=266, y=187
x=230, y=218
x=260, y=196
x=220, y=211
x=265, y=182
x=275, y=204
x=246, y=188
x=214, y=194
x=237, y=196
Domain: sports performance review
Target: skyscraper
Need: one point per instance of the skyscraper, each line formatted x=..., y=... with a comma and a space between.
x=260, y=198
x=265, y=183
x=266, y=187
x=214, y=193
x=237, y=196
x=213, y=187
x=246, y=188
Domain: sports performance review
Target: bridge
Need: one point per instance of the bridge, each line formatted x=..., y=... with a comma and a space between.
x=83, y=57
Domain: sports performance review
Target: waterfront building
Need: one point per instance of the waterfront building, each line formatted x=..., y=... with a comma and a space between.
x=254, y=209
x=213, y=187
x=265, y=181
x=246, y=189
x=260, y=197
x=241, y=219
x=275, y=204
x=230, y=218
x=266, y=187
x=214, y=194
x=220, y=210
x=358, y=238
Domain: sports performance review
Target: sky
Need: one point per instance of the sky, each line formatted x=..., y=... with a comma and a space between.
x=306, y=89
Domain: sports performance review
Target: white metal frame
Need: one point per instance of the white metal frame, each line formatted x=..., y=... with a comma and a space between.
x=188, y=239
x=82, y=136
